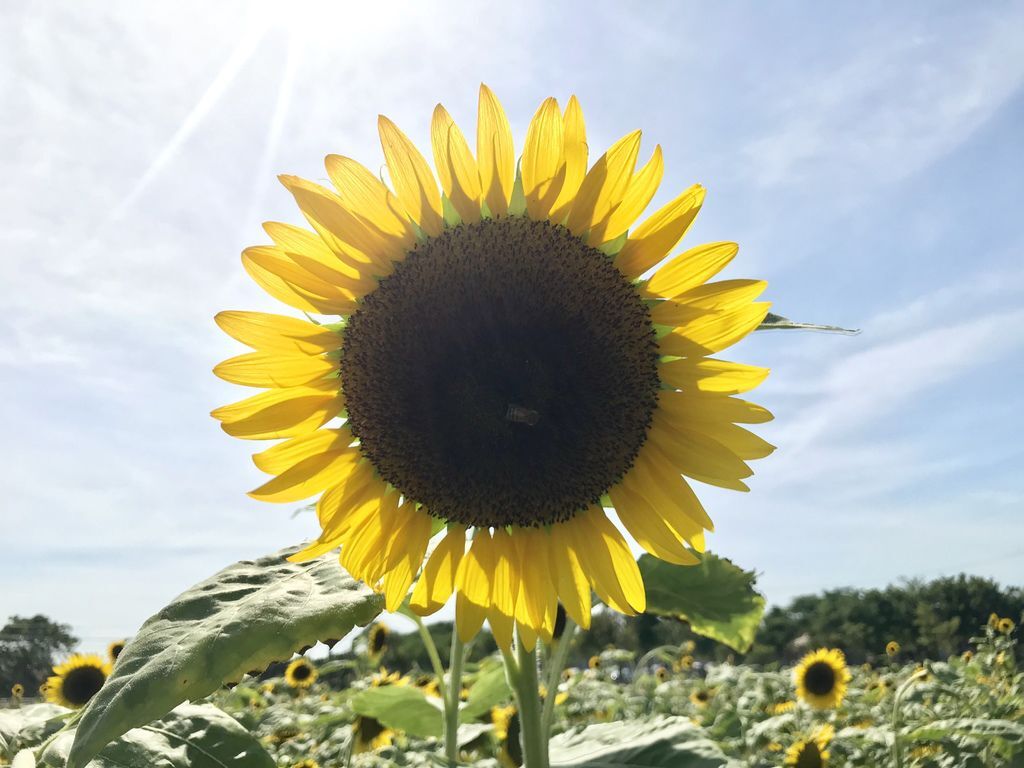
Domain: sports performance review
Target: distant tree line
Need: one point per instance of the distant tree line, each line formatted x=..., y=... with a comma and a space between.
x=29, y=647
x=930, y=620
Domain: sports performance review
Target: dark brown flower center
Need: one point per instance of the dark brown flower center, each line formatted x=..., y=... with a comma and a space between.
x=504, y=373
x=820, y=678
x=81, y=684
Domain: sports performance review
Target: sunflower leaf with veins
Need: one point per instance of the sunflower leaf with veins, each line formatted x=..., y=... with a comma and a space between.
x=245, y=617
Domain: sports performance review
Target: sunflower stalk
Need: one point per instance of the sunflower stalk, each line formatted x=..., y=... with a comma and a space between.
x=556, y=663
x=451, y=700
x=527, y=691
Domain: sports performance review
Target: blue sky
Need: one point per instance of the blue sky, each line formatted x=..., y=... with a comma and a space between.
x=866, y=157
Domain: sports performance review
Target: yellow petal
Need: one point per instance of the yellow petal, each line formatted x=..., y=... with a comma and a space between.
x=495, y=154
x=308, y=478
x=437, y=582
x=543, y=166
x=264, y=331
x=649, y=529
x=684, y=407
x=574, y=132
x=573, y=586
x=369, y=199
x=460, y=177
x=724, y=296
x=695, y=454
x=296, y=287
x=714, y=331
x=338, y=510
x=659, y=483
x=365, y=545
x=413, y=180
x=287, y=454
x=252, y=406
x=659, y=233
x=740, y=441
x=538, y=587
x=273, y=369
x=473, y=586
x=605, y=184
x=706, y=374
x=641, y=190
x=344, y=232
x=412, y=543
x=311, y=253
x=690, y=269
x=683, y=522
x=613, y=571
x=502, y=604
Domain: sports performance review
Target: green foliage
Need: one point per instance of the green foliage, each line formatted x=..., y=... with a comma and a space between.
x=489, y=690
x=930, y=620
x=243, y=618
x=29, y=647
x=672, y=742
x=401, y=707
x=716, y=598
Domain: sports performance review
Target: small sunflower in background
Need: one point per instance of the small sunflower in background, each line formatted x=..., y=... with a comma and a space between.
x=369, y=735
x=506, y=730
x=661, y=673
x=594, y=662
x=114, y=649
x=993, y=620
x=701, y=697
x=384, y=678
x=76, y=681
x=300, y=674
x=377, y=640
x=17, y=691
x=1005, y=626
x=559, y=381
x=685, y=663
x=821, y=678
x=812, y=752
x=307, y=763
x=966, y=656
x=782, y=707
x=892, y=648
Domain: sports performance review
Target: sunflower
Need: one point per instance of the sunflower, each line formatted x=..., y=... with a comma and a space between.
x=993, y=620
x=300, y=673
x=812, y=752
x=1005, y=626
x=594, y=662
x=369, y=734
x=503, y=368
x=821, y=678
x=892, y=648
x=385, y=678
x=506, y=730
x=114, y=650
x=701, y=697
x=661, y=674
x=76, y=681
x=307, y=763
x=782, y=707
x=17, y=691
x=377, y=640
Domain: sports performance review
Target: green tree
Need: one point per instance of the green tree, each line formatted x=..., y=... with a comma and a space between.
x=29, y=647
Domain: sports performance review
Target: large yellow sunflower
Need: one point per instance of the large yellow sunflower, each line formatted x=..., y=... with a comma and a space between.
x=821, y=678
x=76, y=681
x=501, y=367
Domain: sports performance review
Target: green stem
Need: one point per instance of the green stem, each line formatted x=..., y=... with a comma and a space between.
x=556, y=663
x=451, y=708
x=535, y=743
x=435, y=658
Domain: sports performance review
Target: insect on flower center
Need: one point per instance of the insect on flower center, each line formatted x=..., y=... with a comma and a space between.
x=504, y=374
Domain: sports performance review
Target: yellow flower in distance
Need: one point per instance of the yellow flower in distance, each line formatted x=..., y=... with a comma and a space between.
x=498, y=362
x=17, y=691
x=377, y=640
x=300, y=673
x=701, y=697
x=892, y=648
x=812, y=752
x=114, y=650
x=821, y=678
x=1005, y=626
x=76, y=681
x=369, y=735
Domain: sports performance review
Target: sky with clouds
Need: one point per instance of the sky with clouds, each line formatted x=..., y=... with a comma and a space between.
x=867, y=158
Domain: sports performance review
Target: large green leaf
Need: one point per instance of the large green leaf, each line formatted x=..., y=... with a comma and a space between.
x=401, y=707
x=489, y=690
x=29, y=725
x=662, y=741
x=245, y=617
x=716, y=598
x=197, y=736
